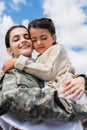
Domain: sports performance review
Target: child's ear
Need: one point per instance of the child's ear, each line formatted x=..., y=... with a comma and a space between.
x=54, y=37
x=9, y=50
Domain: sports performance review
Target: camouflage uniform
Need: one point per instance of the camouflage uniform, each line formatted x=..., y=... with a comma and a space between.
x=12, y=81
x=38, y=103
x=44, y=104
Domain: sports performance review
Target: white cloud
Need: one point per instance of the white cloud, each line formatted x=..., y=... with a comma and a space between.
x=83, y=2
x=15, y=4
x=2, y=7
x=19, y=1
x=25, y=22
x=79, y=61
x=5, y=23
x=69, y=19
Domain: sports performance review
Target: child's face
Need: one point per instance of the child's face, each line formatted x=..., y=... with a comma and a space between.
x=20, y=44
x=41, y=39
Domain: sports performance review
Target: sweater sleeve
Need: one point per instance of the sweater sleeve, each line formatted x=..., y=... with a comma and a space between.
x=47, y=65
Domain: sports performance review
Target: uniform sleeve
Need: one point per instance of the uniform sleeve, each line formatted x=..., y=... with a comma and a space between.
x=85, y=78
x=44, y=104
x=47, y=65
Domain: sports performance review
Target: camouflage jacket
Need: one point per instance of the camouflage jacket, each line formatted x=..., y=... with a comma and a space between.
x=40, y=104
x=44, y=104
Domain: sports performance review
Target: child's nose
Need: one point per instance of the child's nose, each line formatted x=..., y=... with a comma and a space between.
x=39, y=42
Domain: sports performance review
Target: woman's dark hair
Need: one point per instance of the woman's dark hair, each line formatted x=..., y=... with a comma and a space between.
x=7, y=36
x=44, y=23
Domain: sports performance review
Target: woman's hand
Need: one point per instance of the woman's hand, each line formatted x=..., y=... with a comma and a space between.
x=9, y=64
x=74, y=87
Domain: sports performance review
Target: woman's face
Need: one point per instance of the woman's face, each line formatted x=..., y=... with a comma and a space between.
x=20, y=44
x=41, y=39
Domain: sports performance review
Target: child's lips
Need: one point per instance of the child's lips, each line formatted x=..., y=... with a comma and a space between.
x=40, y=48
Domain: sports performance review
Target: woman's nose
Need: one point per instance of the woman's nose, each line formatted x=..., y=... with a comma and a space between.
x=23, y=39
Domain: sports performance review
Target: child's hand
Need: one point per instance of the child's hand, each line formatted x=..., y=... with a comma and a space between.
x=9, y=64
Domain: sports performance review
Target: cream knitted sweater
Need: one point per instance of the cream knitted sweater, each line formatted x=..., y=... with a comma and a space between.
x=52, y=66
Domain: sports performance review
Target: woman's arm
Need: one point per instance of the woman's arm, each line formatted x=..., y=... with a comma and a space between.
x=76, y=86
x=35, y=103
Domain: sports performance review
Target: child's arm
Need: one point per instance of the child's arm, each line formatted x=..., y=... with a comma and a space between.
x=46, y=66
x=51, y=62
x=9, y=64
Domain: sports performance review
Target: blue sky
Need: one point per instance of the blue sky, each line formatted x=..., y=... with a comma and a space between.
x=69, y=16
x=29, y=9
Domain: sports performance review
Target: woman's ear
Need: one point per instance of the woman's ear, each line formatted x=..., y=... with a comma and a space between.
x=9, y=50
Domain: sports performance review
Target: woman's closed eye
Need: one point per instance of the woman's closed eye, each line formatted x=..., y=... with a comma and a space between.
x=16, y=38
x=26, y=36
